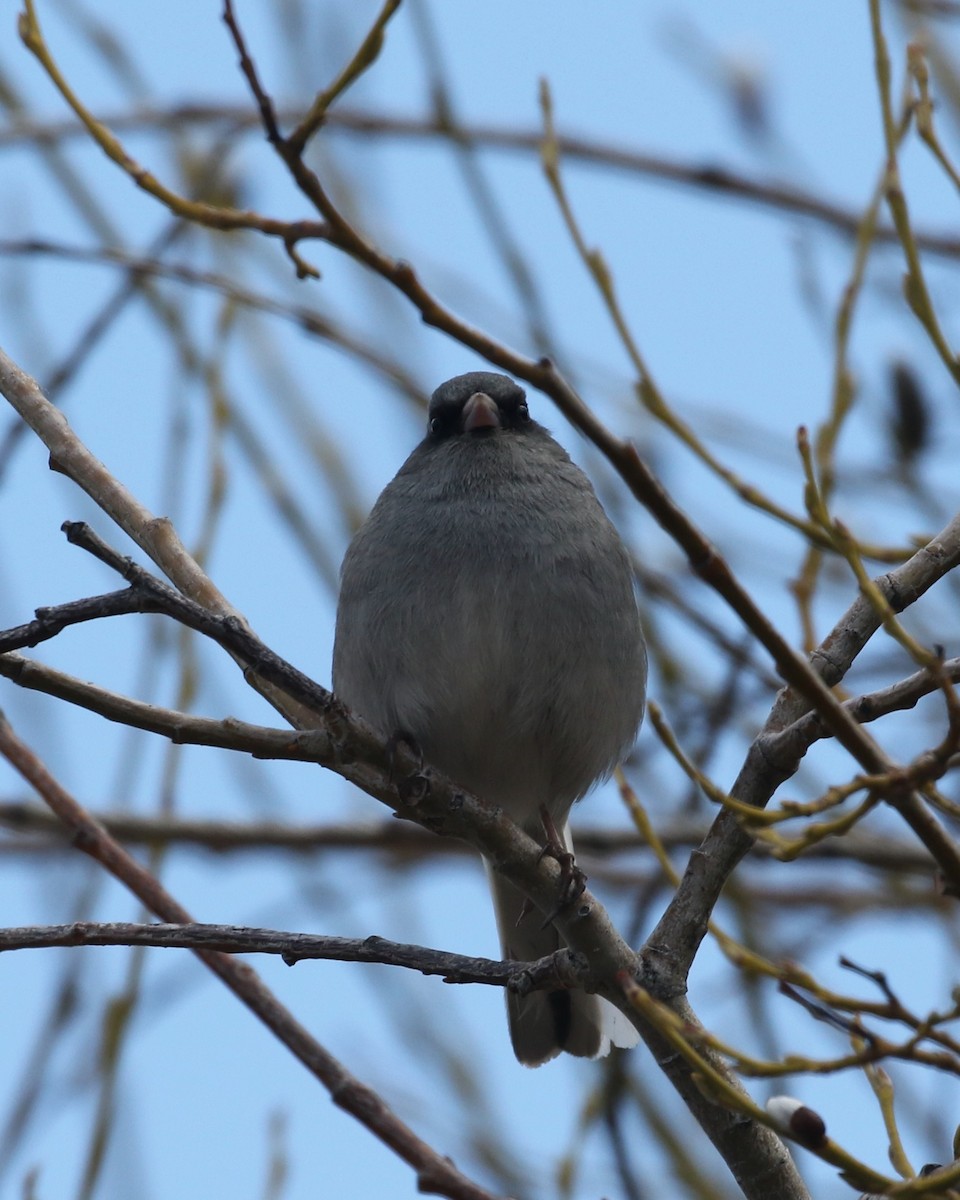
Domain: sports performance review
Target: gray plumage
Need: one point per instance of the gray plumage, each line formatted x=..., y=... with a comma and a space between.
x=487, y=610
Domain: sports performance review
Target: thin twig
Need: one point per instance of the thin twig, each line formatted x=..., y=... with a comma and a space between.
x=561, y=969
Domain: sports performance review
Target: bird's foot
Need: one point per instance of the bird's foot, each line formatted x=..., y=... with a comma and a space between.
x=572, y=879
x=411, y=785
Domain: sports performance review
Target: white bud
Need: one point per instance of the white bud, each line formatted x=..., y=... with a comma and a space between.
x=793, y=1117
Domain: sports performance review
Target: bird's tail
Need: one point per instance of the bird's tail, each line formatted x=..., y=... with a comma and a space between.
x=544, y=1023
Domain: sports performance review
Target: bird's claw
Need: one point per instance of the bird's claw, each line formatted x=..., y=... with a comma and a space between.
x=573, y=881
x=411, y=785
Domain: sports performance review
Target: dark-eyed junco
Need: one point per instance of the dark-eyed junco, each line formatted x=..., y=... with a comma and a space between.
x=487, y=612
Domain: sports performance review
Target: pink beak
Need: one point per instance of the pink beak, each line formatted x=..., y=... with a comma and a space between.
x=480, y=412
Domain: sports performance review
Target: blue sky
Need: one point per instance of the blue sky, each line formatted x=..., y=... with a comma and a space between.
x=732, y=305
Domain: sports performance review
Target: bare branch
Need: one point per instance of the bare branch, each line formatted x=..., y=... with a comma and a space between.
x=684, y=922
x=435, y=1172
x=368, y=123
x=181, y=728
x=407, y=841
x=897, y=697
x=562, y=969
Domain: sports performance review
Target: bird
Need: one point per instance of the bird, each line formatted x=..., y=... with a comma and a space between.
x=487, y=614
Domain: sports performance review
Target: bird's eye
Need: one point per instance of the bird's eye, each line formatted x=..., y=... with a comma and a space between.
x=436, y=425
x=523, y=413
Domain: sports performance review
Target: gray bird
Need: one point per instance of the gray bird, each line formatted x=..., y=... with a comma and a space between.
x=487, y=612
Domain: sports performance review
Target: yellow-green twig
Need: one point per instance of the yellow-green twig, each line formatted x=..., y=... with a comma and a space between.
x=923, y=113
x=914, y=285
x=365, y=57
x=648, y=392
x=681, y=1037
x=211, y=215
x=882, y=1086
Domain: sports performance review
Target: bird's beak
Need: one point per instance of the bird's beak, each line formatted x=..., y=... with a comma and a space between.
x=480, y=412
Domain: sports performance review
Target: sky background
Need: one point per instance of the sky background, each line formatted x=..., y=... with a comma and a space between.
x=733, y=306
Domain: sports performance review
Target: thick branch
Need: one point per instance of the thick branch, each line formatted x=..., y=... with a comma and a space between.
x=435, y=1172
x=774, y=755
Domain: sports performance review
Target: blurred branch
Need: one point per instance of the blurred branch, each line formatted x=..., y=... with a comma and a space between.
x=647, y=390
x=915, y=288
x=406, y=841
x=917, y=66
x=361, y=61
x=477, y=182
x=842, y=399
x=308, y=319
x=94, y=331
x=721, y=180
x=214, y=216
